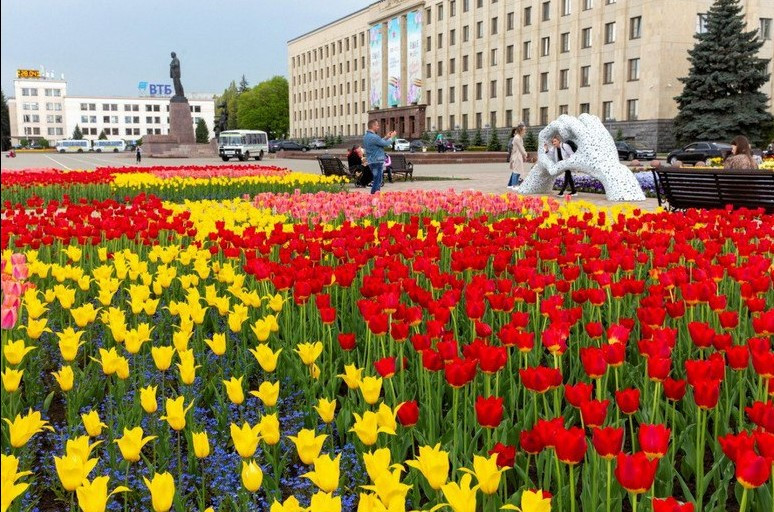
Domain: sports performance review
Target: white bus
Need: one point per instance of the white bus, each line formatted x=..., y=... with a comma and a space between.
x=243, y=144
x=108, y=145
x=73, y=146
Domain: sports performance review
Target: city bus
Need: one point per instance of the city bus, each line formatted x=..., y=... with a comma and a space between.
x=73, y=146
x=242, y=144
x=108, y=145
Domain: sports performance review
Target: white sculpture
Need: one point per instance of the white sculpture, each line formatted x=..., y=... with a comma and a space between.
x=596, y=156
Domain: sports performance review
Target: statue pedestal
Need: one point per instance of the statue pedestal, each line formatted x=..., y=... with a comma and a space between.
x=181, y=122
x=181, y=141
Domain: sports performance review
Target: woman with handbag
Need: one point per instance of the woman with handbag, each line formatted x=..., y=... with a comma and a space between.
x=518, y=156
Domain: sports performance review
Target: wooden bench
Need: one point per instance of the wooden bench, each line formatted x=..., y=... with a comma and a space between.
x=714, y=188
x=401, y=166
x=333, y=166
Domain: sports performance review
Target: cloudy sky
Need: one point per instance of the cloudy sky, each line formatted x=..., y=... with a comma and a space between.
x=105, y=47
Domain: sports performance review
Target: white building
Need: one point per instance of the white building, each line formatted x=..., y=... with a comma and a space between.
x=41, y=109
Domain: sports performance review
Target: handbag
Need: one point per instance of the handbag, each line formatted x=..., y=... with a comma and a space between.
x=514, y=179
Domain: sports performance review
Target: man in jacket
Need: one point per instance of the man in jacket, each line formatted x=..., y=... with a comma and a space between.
x=558, y=152
x=374, y=150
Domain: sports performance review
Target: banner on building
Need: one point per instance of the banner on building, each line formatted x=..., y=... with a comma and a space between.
x=376, y=66
x=393, y=63
x=414, y=56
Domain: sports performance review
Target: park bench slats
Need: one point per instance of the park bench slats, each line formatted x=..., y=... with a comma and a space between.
x=401, y=166
x=333, y=166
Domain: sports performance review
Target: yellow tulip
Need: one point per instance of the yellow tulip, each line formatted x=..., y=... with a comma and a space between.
x=275, y=303
x=162, y=489
x=65, y=296
x=14, y=351
x=314, y=371
x=367, y=428
x=237, y=317
x=271, y=320
x=234, y=390
x=162, y=357
x=108, y=360
x=433, y=463
x=148, y=399
x=352, y=376
x=261, y=329
x=80, y=447
x=93, y=496
x=326, y=473
x=35, y=307
x=486, y=472
x=309, y=352
x=325, y=502
x=92, y=423
x=371, y=388
x=531, y=501
x=49, y=296
x=22, y=428
x=252, y=476
x=150, y=305
x=270, y=429
x=268, y=393
x=72, y=470
x=12, y=379
x=201, y=444
x=265, y=357
x=122, y=368
x=102, y=254
x=84, y=315
x=461, y=497
x=132, y=442
x=64, y=377
x=291, y=504
x=378, y=462
x=176, y=413
x=386, y=416
x=10, y=489
x=217, y=344
x=181, y=338
x=36, y=327
x=308, y=445
x=74, y=253
x=326, y=409
x=245, y=439
x=69, y=342
x=391, y=493
x=186, y=367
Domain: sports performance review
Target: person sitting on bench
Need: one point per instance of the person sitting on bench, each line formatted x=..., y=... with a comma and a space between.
x=358, y=166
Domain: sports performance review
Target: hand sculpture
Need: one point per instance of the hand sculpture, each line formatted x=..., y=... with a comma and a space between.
x=596, y=156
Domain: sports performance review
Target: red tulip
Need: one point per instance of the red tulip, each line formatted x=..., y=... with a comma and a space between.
x=734, y=444
x=765, y=443
x=547, y=430
x=675, y=309
x=431, y=360
x=347, y=341
x=555, y=339
x=607, y=441
x=763, y=363
x=577, y=394
x=531, y=442
x=722, y=342
x=447, y=349
x=752, y=470
x=738, y=357
x=762, y=414
x=489, y=411
x=408, y=413
x=541, y=379
x=328, y=315
x=492, y=359
x=635, y=472
x=506, y=455
x=571, y=445
x=674, y=389
x=617, y=333
x=459, y=372
x=594, y=329
x=654, y=440
x=671, y=505
x=628, y=400
x=701, y=334
x=385, y=367
x=594, y=412
x=728, y=319
x=483, y=330
x=593, y=362
x=706, y=393
x=658, y=368
x=614, y=353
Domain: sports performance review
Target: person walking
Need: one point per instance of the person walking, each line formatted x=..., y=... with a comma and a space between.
x=374, y=149
x=558, y=152
x=138, y=153
x=741, y=155
x=517, y=155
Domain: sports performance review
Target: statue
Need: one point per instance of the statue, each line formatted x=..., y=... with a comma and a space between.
x=223, y=121
x=174, y=74
x=596, y=156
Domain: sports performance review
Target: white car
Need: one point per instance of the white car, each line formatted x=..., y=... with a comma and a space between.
x=401, y=145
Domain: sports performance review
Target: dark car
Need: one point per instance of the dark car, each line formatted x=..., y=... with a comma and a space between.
x=289, y=145
x=418, y=145
x=452, y=145
x=273, y=145
x=632, y=150
x=699, y=152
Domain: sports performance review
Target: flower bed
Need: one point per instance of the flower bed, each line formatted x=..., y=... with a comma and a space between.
x=402, y=354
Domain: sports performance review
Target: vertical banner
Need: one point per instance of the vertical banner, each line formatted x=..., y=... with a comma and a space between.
x=414, y=57
x=376, y=66
x=393, y=63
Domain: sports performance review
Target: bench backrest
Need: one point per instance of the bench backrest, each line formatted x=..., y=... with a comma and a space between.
x=694, y=188
x=331, y=165
x=399, y=163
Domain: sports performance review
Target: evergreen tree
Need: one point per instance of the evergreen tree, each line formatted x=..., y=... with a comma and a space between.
x=464, y=137
x=244, y=85
x=44, y=143
x=77, y=134
x=5, y=124
x=721, y=96
x=494, y=141
x=426, y=136
x=338, y=139
x=478, y=139
x=102, y=135
x=530, y=141
x=202, y=132
x=619, y=135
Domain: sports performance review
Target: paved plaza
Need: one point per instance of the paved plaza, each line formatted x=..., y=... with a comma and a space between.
x=488, y=177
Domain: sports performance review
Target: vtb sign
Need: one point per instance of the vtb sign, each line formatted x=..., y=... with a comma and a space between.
x=151, y=89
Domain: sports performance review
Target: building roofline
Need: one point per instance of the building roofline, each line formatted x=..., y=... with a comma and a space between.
x=321, y=27
x=136, y=98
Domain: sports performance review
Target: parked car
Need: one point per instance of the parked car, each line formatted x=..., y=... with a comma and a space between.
x=401, y=145
x=317, y=144
x=453, y=145
x=632, y=150
x=273, y=144
x=418, y=145
x=290, y=145
x=699, y=152
x=769, y=151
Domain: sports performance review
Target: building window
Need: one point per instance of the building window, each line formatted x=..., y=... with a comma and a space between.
x=452, y=8
x=588, y=4
x=452, y=66
x=452, y=37
x=585, y=108
x=509, y=118
x=429, y=101
x=465, y=34
x=493, y=89
x=479, y=29
x=527, y=16
x=564, y=110
x=493, y=57
x=546, y=11
x=479, y=60
x=634, y=69
x=607, y=110
x=439, y=10
x=544, y=82
x=607, y=73
x=509, y=21
x=509, y=86
x=439, y=40
x=527, y=52
x=464, y=63
x=509, y=54
x=525, y=84
x=564, y=79
x=428, y=70
x=439, y=98
x=701, y=23
x=545, y=46
x=586, y=38
x=479, y=90
x=566, y=7
x=608, y=2
x=428, y=44
x=478, y=120
x=464, y=121
x=564, y=40
x=451, y=95
x=439, y=68
x=543, y=115
x=584, y=78
x=465, y=93
x=632, y=110
x=494, y=25
x=493, y=119
x=429, y=18
x=635, y=27
x=765, y=29
x=610, y=32
x=451, y=122
x=525, y=116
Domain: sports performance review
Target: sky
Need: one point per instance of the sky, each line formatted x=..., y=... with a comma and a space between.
x=105, y=47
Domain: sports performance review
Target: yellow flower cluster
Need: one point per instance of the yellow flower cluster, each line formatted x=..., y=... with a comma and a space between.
x=237, y=214
x=148, y=180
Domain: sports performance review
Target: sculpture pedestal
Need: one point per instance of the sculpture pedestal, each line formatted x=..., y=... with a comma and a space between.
x=181, y=141
x=181, y=122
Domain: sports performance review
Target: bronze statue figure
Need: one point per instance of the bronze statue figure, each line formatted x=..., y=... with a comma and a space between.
x=174, y=74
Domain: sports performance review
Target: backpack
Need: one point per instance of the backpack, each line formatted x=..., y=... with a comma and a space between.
x=573, y=145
